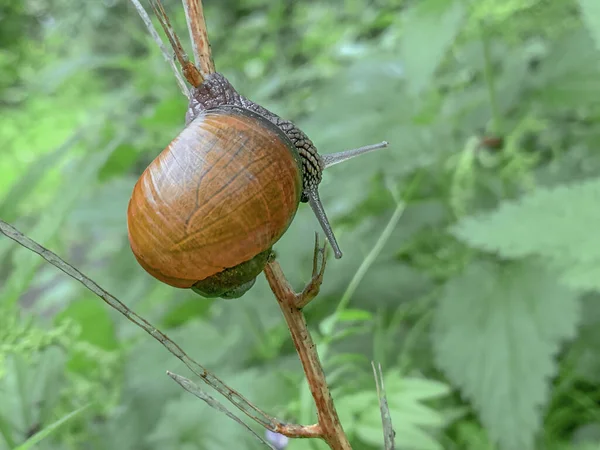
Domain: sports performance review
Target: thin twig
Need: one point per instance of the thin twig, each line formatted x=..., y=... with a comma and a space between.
x=312, y=288
x=190, y=71
x=194, y=15
x=331, y=429
x=240, y=402
x=386, y=419
x=146, y=19
x=194, y=389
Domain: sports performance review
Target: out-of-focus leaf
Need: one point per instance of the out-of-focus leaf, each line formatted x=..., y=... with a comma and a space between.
x=105, y=209
x=31, y=388
x=119, y=163
x=590, y=12
x=360, y=413
x=188, y=420
x=190, y=309
x=557, y=224
x=25, y=262
x=347, y=315
x=497, y=342
x=47, y=431
x=587, y=365
x=147, y=363
x=96, y=329
x=567, y=76
x=430, y=28
x=9, y=206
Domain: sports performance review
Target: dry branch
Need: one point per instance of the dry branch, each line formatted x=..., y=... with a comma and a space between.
x=194, y=15
x=330, y=428
x=190, y=71
x=386, y=419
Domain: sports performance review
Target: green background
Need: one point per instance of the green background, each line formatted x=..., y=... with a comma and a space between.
x=471, y=266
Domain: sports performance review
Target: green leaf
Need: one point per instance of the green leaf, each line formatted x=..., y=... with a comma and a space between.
x=370, y=430
x=96, y=329
x=104, y=208
x=496, y=332
x=26, y=262
x=47, y=431
x=147, y=363
x=414, y=421
x=180, y=423
x=471, y=436
x=9, y=206
x=430, y=28
x=590, y=13
x=354, y=315
x=417, y=389
x=31, y=389
x=558, y=224
x=347, y=315
x=568, y=76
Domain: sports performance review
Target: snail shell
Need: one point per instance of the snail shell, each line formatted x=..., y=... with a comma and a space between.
x=209, y=208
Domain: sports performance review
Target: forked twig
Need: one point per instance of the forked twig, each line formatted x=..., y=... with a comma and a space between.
x=194, y=15
x=330, y=428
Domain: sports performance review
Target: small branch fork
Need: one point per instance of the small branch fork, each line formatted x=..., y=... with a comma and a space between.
x=329, y=427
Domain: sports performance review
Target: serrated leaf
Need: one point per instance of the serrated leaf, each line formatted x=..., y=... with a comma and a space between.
x=430, y=28
x=414, y=421
x=557, y=223
x=496, y=331
x=407, y=435
x=590, y=13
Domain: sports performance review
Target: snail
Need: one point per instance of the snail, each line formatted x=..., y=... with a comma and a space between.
x=208, y=209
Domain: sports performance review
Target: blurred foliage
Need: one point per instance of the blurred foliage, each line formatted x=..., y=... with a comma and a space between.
x=482, y=305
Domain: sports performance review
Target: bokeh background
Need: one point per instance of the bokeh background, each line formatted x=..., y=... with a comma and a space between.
x=472, y=246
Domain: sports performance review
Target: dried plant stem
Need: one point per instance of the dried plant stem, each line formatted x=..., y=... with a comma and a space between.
x=240, y=402
x=330, y=428
x=150, y=27
x=194, y=15
x=388, y=430
x=195, y=390
x=190, y=71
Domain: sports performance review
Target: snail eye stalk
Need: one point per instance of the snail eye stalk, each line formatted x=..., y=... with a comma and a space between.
x=313, y=195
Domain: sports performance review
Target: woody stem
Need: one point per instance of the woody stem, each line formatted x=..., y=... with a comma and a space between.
x=331, y=430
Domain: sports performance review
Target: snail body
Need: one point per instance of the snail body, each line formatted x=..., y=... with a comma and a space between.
x=206, y=212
